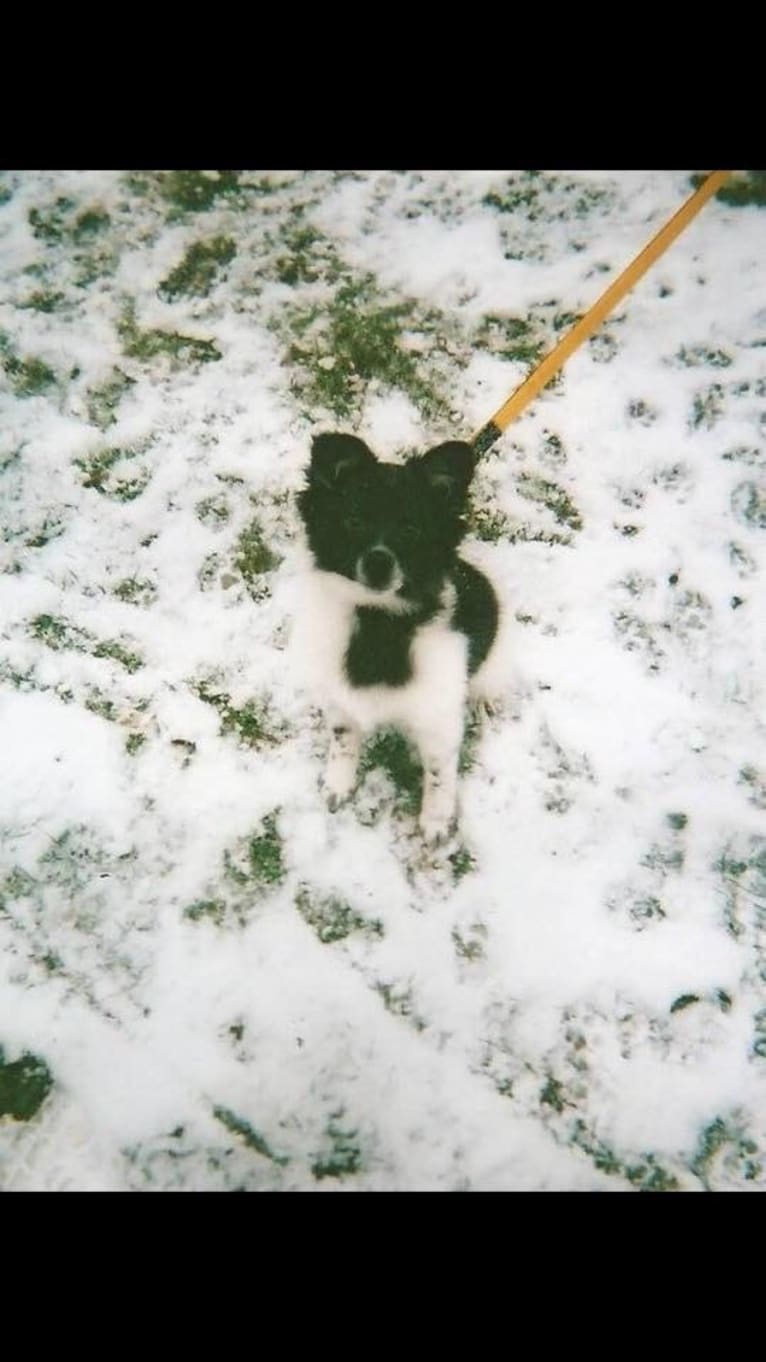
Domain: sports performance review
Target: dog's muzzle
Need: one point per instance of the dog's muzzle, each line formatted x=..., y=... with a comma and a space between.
x=376, y=568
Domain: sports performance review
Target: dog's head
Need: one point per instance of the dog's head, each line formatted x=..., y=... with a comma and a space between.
x=391, y=528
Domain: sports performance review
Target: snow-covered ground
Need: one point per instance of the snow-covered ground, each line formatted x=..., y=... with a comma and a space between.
x=208, y=981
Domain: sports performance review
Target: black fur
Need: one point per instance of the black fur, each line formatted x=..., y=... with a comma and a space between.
x=379, y=650
x=476, y=613
x=353, y=507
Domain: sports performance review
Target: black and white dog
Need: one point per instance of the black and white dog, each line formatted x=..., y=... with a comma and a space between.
x=400, y=625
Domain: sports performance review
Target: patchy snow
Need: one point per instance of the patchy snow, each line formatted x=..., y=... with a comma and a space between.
x=231, y=988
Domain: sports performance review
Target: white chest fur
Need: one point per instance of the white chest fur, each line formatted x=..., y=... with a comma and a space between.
x=431, y=699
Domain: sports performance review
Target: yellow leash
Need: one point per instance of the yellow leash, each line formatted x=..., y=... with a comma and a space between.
x=595, y=315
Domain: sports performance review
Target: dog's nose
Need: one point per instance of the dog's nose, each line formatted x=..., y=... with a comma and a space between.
x=378, y=568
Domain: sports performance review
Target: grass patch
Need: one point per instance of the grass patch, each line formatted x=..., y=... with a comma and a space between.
x=253, y=723
x=148, y=345
x=339, y=348
x=723, y=1147
x=695, y=356
x=462, y=862
x=257, y=862
x=344, y=1157
x=740, y=191
x=248, y=1134
x=748, y=502
x=135, y=591
x=51, y=224
x=471, y=943
x=552, y=1094
x=28, y=377
x=44, y=300
x=251, y=868
x=537, y=197
x=400, y=1002
x=512, y=338
x=551, y=495
x=265, y=854
x=103, y=400
x=331, y=918
x=101, y=473
x=707, y=407
x=196, y=191
x=390, y=751
x=646, y=1175
x=24, y=1086
x=308, y=256
x=207, y=910
x=253, y=557
x=199, y=269
x=213, y=511
x=59, y=635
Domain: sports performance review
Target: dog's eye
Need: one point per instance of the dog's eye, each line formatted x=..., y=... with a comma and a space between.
x=410, y=532
x=354, y=523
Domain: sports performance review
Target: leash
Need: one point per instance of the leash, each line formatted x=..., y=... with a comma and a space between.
x=574, y=337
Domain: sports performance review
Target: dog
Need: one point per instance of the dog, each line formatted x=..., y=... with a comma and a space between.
x=401, y=626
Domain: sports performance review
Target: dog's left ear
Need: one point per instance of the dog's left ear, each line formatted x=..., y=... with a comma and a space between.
x=449, y=467
x=334, y=457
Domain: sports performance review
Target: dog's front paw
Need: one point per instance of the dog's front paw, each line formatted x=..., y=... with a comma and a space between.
x=436, y=828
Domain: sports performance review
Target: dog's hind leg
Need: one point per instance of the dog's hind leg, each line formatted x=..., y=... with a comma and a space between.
x=342, y=760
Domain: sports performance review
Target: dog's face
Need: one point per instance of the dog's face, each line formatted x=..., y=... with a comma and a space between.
x=393, y=529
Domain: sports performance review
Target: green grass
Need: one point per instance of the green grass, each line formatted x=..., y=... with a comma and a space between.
x=212, y=910
x=104, y=399
x=135, y=591
x=535, y=197
x=512, y=338
x=195, y=191
x=251, y=869
x=50, y=225
x=390, y=751
x=44, y=300
x=265, y=854
x=399, y=1000
x=748, y=501
x=740, y=191
x=331, y=918
x=725, y=1147
x=552, y=496
x=254, y=722
x=252, y=556
x=339, y=348
x=305, y=256
x=244, y=1131
x=462, y=862
x=646, y=1175
x=24, y=1086
x=28, y=377
x=707, y=407
x=343, y=1158
x=213, y=511
x=103, y=472
x=697, y=356
x=199, y=269
x=146, y=345
x=257, y=862
x=60, y=635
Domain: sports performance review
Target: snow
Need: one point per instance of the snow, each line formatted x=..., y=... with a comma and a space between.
x=232, y=987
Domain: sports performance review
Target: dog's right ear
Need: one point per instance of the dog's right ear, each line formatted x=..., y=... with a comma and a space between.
x=334, y=457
